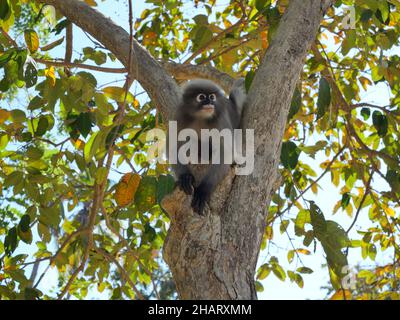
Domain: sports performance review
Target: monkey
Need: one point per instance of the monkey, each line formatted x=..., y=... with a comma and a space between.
x=204, y=106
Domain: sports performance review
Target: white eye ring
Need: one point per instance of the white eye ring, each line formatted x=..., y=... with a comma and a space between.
x=201, y=97
x=213, y=97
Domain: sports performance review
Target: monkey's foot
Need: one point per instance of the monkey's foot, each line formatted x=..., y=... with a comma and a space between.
x=186, y=182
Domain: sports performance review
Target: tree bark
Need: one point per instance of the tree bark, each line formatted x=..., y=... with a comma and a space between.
x=214, y=257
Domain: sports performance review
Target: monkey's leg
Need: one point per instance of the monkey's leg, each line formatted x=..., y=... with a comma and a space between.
x=204, y=190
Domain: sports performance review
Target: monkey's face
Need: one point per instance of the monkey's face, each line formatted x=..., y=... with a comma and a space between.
x=202, y=104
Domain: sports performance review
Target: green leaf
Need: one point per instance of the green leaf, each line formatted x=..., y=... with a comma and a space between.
x=302, y=218
x=345, y=200
x=283, y=226
x=31, y=75
x=312, y=150
x=203, y=35
x=317, y=221
x=18, y=115
x=305, y=270
x=380, y=123
x=263, y=272
x=145, y=197
x=101, y=175
x=32, y=293
x=4, y=9
x=278, y=272
x=365, y=112
x=31, y=40
x=165, y=185
x=4, y=139
x=36, y=103
x=11, y=241
x=6, y=56
x=25, y=236
x=84, y=123
x=290, y=155
x=261, y=5
x=296, y=104
x=259, y=286
x=13, y=178
x=201, y=19
x=42, y=126
x=92, y=146
x=249, y=80
x=324, y=98
x=118, y=94
x=34, y=153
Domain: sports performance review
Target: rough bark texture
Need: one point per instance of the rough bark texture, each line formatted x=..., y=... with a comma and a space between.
x=214, y=257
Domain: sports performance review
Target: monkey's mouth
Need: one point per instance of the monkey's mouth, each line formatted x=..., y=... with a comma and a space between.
x=208, y=108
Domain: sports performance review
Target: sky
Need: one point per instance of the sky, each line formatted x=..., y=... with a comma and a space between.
x=326, y=198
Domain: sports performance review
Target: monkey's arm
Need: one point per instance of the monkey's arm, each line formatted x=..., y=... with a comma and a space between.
x=184, y=177
x=203, y=192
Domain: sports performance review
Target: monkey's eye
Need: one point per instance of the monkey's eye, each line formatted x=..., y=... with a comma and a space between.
x=213, y=97
x=201, y=97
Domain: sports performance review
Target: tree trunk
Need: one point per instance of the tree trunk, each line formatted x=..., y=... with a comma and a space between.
x=214, y=257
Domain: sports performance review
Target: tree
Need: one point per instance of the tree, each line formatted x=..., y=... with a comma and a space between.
x=297, y=87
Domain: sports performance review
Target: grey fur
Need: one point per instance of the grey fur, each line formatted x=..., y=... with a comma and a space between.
x=201, y=179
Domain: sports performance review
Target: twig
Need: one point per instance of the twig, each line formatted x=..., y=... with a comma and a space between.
x=367, y=190
x=69, y=46
x=126, y=244
x=123, y=272
x=63, y=63
x=216, y=38
x=9, y=39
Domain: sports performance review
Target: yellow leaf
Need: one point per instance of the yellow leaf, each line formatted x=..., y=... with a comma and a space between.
x=136, y=104
x=365, y=82
x=264, y=39
x=314, y=188
x=341, y=295
x=389, y=211
x=349, y=210
x=4, y=115
x=149, y=37
x=79, y=144
x=126, y=189
x=118, y=94
x=335, y=177
x=91, y=3
x=32, y=40
x=303, y=251
x=50, y=73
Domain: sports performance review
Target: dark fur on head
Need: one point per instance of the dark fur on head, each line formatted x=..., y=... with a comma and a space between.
x=190, y=106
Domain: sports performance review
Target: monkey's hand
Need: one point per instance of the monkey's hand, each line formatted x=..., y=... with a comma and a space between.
x=201, y=195
x=186, y=182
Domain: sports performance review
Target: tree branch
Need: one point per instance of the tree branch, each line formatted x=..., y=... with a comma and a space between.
x=189, y=71
x=160, y=86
